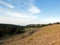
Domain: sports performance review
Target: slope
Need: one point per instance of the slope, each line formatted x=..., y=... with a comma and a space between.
x=48, y=35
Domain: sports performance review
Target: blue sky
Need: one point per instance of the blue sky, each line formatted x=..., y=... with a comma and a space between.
x=24, y=12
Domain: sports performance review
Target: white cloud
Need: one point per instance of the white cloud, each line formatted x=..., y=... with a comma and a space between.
x=21, y=15
x=6, y=4
x=10, y=20
x=50, y=20
x=16, y=17
x=18, y=14
x=17, y=21
x=31, y=8
x=34, y=10
x=23, y=19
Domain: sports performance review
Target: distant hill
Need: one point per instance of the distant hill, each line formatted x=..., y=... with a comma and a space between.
x=10, y=29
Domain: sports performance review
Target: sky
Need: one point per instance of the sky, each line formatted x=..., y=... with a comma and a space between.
x=23, y=12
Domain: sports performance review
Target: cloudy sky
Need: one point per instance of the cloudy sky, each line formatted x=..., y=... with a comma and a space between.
x=22, y=12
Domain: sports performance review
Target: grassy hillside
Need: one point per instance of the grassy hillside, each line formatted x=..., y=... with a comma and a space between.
x=47, y=35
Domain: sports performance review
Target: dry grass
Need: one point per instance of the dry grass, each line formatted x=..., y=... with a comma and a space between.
x=48, y=35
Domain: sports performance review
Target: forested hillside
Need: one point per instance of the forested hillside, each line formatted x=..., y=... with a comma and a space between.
x=9, y=29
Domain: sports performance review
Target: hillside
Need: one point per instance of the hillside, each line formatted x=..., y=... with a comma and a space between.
x=48, y=35
x=10, y=29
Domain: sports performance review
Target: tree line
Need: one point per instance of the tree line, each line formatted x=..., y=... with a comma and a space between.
x=8, y=29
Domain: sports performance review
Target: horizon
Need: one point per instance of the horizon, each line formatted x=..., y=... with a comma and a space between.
x=30, y=24
x=24, y=12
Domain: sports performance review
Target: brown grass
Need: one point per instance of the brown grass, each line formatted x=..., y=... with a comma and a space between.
x=48, y=35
